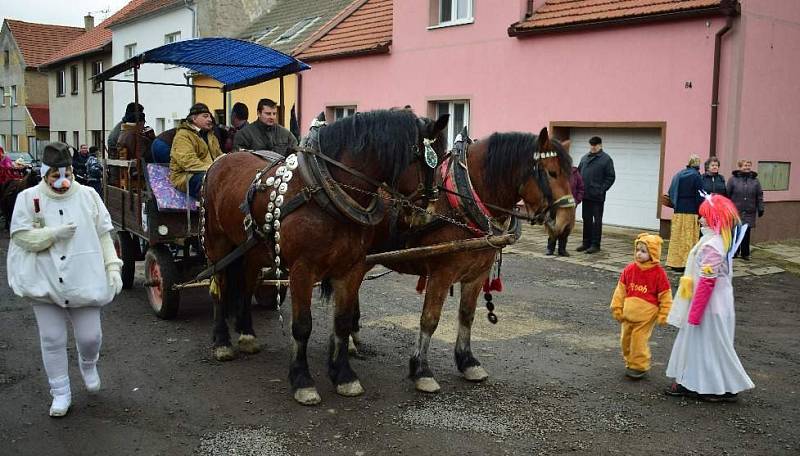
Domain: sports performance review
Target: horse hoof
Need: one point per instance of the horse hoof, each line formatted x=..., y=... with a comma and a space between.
x=248, y=344
x=476, y=374
x=307, y=396
x=427, y=385
x=351, y=389
x=224, y=353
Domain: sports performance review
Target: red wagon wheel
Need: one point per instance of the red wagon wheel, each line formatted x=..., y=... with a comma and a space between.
x=160, y=275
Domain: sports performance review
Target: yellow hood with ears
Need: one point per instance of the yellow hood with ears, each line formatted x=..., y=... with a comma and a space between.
x=653, y=243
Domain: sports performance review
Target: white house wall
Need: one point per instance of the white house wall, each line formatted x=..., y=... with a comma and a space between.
x=167, y=102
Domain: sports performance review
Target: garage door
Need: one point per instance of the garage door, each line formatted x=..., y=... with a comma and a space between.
x=633, y=199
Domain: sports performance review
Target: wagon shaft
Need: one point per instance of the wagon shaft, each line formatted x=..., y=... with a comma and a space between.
x=395, y=256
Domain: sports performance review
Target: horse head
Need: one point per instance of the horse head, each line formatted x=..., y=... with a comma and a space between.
x=546, y=191
x=418, y=181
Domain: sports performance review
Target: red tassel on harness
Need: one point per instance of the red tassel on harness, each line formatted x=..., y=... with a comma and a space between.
x=421, y=284
x=495, y=284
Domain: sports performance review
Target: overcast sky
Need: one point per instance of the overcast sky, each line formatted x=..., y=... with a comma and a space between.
x=61, y=12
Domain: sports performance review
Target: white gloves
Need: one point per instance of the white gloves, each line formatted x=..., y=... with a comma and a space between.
x=64, y=232
x=114, y=280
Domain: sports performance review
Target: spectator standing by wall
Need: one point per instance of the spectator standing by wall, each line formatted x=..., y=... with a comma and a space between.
x=684, y=191
x=744, y=190
x=713, y=181
x=597, y=171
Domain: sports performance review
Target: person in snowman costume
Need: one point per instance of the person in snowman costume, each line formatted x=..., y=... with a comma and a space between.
x=61, y=256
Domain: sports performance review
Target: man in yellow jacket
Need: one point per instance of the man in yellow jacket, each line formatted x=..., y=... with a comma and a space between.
x=194, y=148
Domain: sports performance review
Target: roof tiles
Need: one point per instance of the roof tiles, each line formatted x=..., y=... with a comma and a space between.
x=40, y=113
x=365, y=30
x=563, y=13
x=38, y=42
x=94, y=39
x=143, y=8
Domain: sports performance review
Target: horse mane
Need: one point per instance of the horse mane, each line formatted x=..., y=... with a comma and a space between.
x=510, y=156
x=387, y=136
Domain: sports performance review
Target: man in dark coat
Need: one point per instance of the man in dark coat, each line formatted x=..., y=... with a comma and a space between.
x=745, y=191
x=265, y=133
x=597, y=171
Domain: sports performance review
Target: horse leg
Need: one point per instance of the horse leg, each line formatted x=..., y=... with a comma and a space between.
x=435, y=294
x=465, y=361
x=301, y=283
x=244, y=318
x=339, y=370
x=222, y=338
x=355, y=340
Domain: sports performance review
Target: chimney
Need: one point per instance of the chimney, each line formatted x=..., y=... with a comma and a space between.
x=88, y=22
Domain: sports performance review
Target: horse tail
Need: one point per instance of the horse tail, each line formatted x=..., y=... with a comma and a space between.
x=326, y=290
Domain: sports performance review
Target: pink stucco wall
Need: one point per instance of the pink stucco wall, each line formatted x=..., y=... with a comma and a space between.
x=621, y=74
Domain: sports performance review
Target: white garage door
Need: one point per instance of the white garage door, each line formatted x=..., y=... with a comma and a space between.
x=633, y=199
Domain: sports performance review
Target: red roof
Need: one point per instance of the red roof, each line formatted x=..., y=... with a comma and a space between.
x=40, y=113
x=363, y=28
x=38, y=42
x=95, y=39
x=143, y=8
x=556, y=14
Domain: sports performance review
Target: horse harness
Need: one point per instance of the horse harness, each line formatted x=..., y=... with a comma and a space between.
x=320, y=187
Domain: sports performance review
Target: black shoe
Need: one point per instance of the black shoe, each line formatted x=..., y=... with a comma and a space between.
x=549, y=252
x=677, y=269
x=730, y=397
x=746, y=257
x=563, y=253
x=635, y=374
x=593, y=249
x=676, y=389
x=582, y=248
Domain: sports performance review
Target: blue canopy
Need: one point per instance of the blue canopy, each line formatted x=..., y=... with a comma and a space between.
x=234, y=63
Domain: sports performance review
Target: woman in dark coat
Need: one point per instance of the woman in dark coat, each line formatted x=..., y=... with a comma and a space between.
x=744, y=190
x=684, y=192
x=713, y=181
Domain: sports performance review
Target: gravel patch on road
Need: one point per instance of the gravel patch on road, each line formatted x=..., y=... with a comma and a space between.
x=243, y=442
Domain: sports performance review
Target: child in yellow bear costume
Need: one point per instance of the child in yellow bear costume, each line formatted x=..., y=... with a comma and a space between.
x=642, y=298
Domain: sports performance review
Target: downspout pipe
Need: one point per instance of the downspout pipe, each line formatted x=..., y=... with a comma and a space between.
x=712, y=150
x=188, y=4
x=529, y=10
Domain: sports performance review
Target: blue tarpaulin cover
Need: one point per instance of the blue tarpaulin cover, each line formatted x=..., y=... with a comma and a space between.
x=234, y=63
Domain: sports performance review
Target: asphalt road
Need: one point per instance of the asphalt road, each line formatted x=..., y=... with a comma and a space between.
x=556, y=381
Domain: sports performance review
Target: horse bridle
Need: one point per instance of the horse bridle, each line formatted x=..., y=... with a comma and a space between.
x=546, y=215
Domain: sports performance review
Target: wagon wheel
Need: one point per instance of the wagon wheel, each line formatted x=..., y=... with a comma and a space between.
x=160, y=274
x=129, y=251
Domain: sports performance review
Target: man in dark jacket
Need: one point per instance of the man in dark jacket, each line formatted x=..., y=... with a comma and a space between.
x=265, y=133
x=597, y=171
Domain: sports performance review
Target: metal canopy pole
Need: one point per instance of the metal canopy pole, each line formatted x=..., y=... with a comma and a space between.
x=103, y=142
x=281, y=108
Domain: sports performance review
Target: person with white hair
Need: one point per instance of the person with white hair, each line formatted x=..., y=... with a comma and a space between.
x=684, y=193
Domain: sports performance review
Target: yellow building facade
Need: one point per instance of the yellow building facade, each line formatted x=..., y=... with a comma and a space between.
x=249, y=96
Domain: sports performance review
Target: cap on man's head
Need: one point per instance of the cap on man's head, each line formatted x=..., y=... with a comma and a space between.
x=199, y=108
x=57, y=155
x=595, y=140
x=132, y=108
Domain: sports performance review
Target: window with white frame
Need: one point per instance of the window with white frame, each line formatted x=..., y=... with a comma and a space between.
x=450, y=12
x=459, y=116
x=97, y=68
x=171, y=38
x=2, y=96
x=15, y=143
x=62, y=136
x=61, y=83
x=295, y=30
x=340, y=112
x=73, y=77
x=3, y=142
x=76, y=139
x=130, y=51
x=13, y=95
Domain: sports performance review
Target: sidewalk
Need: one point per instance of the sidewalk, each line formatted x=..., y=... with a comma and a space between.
x=617, y=251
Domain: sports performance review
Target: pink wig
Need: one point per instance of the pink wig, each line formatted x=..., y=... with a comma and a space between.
x=721, y=216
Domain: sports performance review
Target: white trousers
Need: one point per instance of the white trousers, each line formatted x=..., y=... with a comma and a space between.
x=52, y=322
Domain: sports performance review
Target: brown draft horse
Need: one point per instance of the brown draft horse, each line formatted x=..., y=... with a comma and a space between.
x=314, y=244
x=503, y=169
